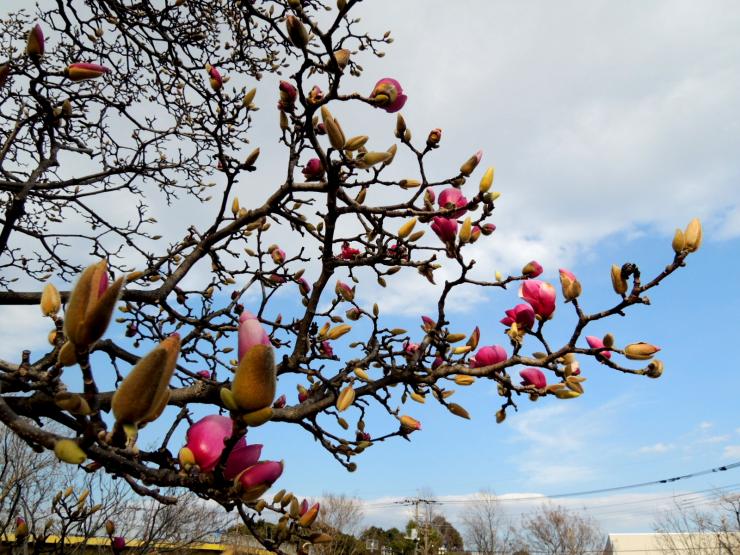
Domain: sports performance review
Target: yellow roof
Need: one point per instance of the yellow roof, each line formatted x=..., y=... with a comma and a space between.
x=196, y=546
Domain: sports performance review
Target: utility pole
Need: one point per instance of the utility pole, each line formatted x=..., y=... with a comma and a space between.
x=416, y=501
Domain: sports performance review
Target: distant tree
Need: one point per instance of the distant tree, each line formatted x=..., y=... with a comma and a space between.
x=485, y=529
x=557, y=531
x=340, y=517
x=55, y=499
x=711, y=531
x=449, y=537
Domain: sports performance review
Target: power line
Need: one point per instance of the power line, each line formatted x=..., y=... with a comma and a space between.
x=662, y=481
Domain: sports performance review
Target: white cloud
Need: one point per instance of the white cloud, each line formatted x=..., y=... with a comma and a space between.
x=731, y=452
x=22, y=327
x=705, y=425
x=715, y=439
x=657, y=448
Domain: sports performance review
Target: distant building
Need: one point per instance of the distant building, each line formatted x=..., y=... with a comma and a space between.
x=674, y=544
x=93, y=546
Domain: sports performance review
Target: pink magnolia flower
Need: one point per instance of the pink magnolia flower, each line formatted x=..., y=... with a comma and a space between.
x=475, y=234
x=486, y=356
x=277, y=279
x=302, y=393
x=313, y=170
x=118, y=543
x=532, y=269
x=278, y=255
x=345, y=291
x=445, y=228
x=21, y=527
x=388, y=94
x=35, y=42
x=280, y=402
x=303, y=508
x=205, y=374
x=83, y=71
x=451, y=198
x=428, y=324
x=315, y=95
x=437, y=362
x=487, y=229
x=214, y=78
x=435, y=135
x=570, y=285
x=522, y=314
x=251, y=333
x=325, y=348
x=410, y=348
x=429, y=196
x=4, y=72
x=288, y=96
x=242, y=456
x=567, y=274
x=205, y=440
x=533, y=376
x=597, y=343
x=303, y=286
x=398, y=251
x=354, y=314
x=541, y=295
x=348, y=253
x=260, y=475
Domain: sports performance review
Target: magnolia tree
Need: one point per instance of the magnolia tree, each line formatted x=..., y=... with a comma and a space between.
x=116, y=112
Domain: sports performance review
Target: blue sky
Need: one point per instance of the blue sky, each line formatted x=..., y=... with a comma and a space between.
x=609, y=126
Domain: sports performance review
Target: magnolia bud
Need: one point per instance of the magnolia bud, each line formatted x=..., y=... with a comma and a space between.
x=406, y=228
x=51, y=302
x=692, y=235
x=679, y=242
x=67, y=450
x=466, y=230
x=457, y=410
x=335, y=133
x=35, y=42
x=338, y=331
x=410, y=424
x=400, y=126
x=252, y=158
x=249, y=98
x=369, y=159
x=640, y=351
x=296, y=31
x=345, y=398
x=471, y=163
x=618, y=282
x=258, y=417
x=342, y=57
x=464, y=380
x=655, y=369
x=355, y=142
x=486, y=181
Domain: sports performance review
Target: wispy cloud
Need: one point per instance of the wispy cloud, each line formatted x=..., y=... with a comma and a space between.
x=657, y=448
